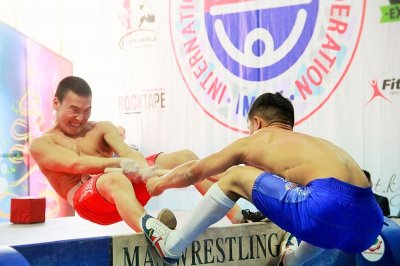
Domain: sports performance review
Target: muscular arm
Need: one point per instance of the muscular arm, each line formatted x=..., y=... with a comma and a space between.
x=53, y=157
x=218, y=162
x=195, y=171
x=115, y=141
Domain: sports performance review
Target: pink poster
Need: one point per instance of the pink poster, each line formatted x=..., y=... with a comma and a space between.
x=27, y=85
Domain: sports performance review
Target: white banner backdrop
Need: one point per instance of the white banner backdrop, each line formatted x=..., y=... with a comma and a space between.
x=181, y=74
x=209, y=59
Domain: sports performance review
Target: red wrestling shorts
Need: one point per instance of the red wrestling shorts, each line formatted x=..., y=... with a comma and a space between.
x=91, y=206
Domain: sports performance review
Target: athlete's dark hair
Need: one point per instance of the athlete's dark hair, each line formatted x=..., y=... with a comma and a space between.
x=273, y=107
x=368, y=175
x=75, y=84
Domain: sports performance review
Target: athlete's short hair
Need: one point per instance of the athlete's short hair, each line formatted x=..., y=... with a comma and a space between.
x=75, y=84
x=273, y=107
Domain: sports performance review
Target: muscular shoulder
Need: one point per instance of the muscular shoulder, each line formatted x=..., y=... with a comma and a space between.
x=49, y=140
x=40, y=144
x=238, y=147
x=45, y=138
x=102, y=125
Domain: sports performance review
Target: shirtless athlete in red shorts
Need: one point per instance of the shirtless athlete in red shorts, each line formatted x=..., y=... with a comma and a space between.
x=75, y=152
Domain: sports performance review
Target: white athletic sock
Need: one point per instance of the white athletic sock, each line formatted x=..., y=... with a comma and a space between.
x=302, y=254
x=212, y=207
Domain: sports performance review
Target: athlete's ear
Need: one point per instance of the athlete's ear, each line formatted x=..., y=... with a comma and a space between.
x=258, y=122
x=55, y=103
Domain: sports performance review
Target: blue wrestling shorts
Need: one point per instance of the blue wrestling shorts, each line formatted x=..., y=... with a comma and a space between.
x=327, y=213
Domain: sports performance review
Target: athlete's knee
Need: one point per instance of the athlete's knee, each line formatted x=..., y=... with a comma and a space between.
x=173, y=159
x=234, y=172
x=112, y=185
x=230, y=182
x=233, y=176
x=185, y=156
x=114, y=182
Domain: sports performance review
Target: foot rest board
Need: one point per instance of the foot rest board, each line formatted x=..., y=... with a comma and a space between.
x=244, y=244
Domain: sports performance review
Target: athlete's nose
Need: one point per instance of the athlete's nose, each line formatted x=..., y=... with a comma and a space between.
x=79, y=117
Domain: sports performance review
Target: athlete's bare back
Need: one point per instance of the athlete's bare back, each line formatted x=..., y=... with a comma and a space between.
x=299, y=158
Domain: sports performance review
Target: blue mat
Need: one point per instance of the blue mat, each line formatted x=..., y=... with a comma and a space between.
x=88, y=251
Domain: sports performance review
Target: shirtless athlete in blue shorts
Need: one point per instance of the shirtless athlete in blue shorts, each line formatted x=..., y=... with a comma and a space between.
x=306, y=185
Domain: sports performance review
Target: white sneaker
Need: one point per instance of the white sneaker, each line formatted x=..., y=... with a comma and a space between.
x=157, y=232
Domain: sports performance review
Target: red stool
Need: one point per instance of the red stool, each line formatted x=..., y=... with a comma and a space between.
x=28, y=210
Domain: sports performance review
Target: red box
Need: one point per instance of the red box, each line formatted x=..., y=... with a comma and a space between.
x=28, y=210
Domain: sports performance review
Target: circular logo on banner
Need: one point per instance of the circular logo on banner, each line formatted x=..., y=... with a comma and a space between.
x=231, y=51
